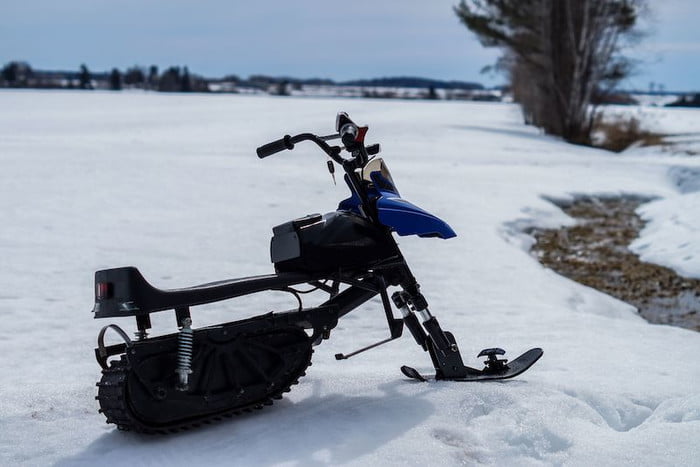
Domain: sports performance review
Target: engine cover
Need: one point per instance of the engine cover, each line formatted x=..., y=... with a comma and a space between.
x=339, y=240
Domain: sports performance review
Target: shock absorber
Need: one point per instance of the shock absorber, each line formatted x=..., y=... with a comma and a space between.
x=185, y=340
x=401, y=300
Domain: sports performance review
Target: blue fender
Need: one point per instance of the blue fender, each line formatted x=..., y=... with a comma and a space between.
x=401, y=216
x=406, y=218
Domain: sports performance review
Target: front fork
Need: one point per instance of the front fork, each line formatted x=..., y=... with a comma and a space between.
x=439, y=344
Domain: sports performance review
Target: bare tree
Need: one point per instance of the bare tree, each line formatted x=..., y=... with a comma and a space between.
x=558, y=53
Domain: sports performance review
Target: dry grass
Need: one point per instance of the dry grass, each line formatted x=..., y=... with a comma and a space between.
x=621, y=133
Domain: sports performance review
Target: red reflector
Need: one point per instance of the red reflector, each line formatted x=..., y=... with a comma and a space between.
x=104, y=290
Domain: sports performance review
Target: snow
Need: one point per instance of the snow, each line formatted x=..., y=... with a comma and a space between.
x=672, y=234
x=171, y=184
x=654, y=100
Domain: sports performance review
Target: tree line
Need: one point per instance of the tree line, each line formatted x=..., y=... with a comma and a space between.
x=174, y=79
x=18, y=74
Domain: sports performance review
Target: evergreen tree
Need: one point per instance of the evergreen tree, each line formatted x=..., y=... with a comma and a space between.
x=85, y=78
x=9, y=73
x=134, y=76
x=16, y=74
x=115, y=80
x=153, y=77
x=170, y=80
x=185, y=81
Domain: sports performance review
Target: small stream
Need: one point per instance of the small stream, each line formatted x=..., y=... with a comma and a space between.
x=595, y=253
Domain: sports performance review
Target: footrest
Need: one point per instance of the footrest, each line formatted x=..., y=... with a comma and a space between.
x=492, y=351
x=493, y=363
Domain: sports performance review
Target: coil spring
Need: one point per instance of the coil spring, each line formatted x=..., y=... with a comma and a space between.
x=185, y=343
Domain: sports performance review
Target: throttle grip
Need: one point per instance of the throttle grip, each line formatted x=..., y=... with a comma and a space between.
x=275, y=147
x=348, y=133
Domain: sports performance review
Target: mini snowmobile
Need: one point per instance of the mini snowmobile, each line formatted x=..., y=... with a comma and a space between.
x=167, y=383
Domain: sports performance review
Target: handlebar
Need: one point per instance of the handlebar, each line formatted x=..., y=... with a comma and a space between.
x=288, y=142
x=347, y=132
x=275, y=146
x=353, y=139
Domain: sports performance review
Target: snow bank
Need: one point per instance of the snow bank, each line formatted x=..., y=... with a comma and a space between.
x=672, y=234
x=171, y=184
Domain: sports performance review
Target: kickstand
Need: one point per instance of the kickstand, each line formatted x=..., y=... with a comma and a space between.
x=395, y=326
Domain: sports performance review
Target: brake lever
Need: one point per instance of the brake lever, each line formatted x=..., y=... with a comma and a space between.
x=330, y=137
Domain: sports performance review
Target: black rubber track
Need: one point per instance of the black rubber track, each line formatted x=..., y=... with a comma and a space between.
x=113, y=399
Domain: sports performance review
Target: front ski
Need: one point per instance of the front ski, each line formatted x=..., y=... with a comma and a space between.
x=495, y=369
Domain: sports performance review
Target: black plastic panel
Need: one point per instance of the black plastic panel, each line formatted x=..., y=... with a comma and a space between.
x=134, y=296
x=336, y=241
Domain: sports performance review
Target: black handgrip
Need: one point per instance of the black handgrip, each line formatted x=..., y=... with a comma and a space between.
x=275, y=147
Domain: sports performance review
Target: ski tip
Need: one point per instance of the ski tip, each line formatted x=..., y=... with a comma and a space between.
x=531, y=356
x=412, y=373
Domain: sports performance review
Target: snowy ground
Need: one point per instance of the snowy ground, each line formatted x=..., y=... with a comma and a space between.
x=171, y=184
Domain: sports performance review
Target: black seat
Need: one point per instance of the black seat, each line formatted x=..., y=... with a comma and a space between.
x=125, y=292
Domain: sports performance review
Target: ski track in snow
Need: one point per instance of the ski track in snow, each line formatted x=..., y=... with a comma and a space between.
x=171, y=184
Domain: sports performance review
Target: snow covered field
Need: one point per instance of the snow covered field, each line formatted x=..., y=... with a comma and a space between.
x=171, y=184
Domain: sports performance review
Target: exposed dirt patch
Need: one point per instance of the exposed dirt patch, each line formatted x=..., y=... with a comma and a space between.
x=595, y=253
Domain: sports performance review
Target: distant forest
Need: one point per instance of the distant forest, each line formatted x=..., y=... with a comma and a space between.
x=19, y=74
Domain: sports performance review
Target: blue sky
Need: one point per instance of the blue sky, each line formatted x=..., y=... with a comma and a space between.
x=302, y=38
